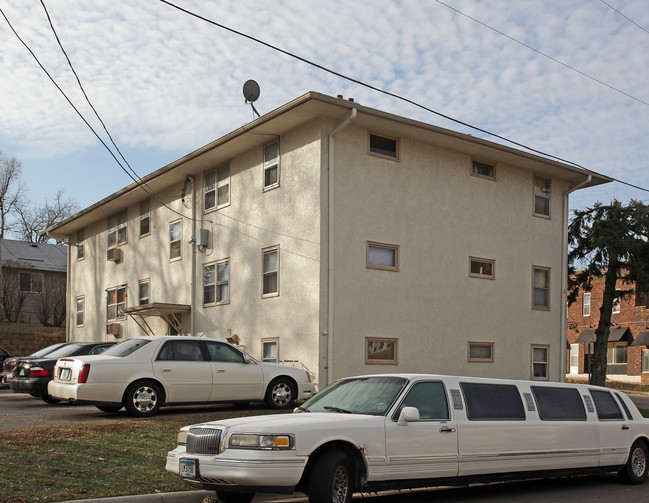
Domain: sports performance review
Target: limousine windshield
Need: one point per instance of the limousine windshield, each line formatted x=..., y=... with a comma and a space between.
x=365, y=395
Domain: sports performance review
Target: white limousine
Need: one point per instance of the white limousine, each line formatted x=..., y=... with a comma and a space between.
x=379, y=432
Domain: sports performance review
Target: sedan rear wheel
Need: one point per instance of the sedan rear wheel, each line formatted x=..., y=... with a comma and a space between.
x=280, y=394
x=143, y=399
x=637, y=467
x=47, y=398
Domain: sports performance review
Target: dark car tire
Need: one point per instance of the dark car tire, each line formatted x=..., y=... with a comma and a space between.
x=231, y=497
x=47, y=398
x=143, y=399
x=109, y=408
x=637, y=466
x=331, y=479
x=280, y=394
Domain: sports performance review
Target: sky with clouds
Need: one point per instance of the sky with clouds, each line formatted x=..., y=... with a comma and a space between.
x=573, y=83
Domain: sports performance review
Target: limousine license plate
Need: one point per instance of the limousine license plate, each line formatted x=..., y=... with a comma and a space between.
x=188, y=468
x=64, y=374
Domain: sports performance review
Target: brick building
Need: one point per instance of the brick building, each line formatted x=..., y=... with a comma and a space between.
x=628, y=343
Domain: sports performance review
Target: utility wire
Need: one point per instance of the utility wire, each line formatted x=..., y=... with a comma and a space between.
x=369, y=86
x=142, y=185
x=136, y=178
x=625, y=17
x=66, y=96
x=584, y=74
x=382, y=91
x=58, y=40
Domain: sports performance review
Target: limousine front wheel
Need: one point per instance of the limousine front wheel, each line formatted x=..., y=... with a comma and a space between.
x=331, y=479
x=635, y=470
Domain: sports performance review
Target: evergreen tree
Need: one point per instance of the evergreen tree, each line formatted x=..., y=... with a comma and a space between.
x=609, y=241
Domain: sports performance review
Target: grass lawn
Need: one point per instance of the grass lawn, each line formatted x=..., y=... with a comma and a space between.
x=93, y=460
x=96, y=460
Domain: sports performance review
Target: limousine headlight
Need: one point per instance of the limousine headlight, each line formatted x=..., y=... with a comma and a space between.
x=262, y=442
x=182, y=437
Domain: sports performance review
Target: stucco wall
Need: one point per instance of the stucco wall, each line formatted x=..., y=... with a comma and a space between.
x=287, y=216
x=440, y=215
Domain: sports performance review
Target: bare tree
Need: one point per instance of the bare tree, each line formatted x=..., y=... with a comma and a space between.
x=50, y=301
x=32, y=222
x=11, y=190
x=12, y=298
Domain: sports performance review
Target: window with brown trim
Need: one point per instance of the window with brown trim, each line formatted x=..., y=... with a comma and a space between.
x=383, y=146
x=381, y=350
x=270, y=272
x=382, y=256
x=483, y=169
x=481, y=352
x=541, y=288
x=540, y=362
x=482, y=268
x=542, y=197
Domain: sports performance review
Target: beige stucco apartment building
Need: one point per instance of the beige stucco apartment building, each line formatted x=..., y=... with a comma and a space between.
x=333, y=236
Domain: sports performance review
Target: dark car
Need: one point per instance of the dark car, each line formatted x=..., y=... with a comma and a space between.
x=4, y=354
x=32, y=375
x=8, y=365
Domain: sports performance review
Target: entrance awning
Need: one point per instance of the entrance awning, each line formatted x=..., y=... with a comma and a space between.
x=642, y=339
x=171, y=313
x=615, y=335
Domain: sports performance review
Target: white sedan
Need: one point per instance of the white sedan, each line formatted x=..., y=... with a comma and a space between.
x=145, y=373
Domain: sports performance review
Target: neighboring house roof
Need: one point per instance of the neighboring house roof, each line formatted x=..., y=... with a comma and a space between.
x=302, y=110
x=39, y=256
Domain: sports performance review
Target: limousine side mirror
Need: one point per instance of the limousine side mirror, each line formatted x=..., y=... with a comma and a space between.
x=407, y=415
x=246, y=359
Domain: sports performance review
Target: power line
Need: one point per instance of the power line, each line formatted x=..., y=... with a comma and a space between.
x=65, y=95
x=369, y=86
x=138, y=180
x=382, y=91
x=83, y=90
x=584, y=74
x=625, y=17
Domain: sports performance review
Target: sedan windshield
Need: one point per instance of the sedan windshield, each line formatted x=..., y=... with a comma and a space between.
x=125, y=348
x=364, y=395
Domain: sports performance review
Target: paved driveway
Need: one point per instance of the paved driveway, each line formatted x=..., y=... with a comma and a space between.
x=19, y=410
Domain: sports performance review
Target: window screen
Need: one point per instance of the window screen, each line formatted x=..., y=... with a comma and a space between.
x=605, y=405
x=559, y=404
x=490, y=402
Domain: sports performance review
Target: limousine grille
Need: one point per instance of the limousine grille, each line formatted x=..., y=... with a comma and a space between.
x=202, y=440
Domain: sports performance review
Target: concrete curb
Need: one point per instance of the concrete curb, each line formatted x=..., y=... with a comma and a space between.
x=185, y=497
x=175, y=497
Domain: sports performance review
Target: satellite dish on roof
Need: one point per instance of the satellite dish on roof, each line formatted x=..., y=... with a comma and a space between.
x=251, y=93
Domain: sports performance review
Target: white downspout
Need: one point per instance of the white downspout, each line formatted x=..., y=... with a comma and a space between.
x=564, y=277
x=330, y=255
x=192, y=302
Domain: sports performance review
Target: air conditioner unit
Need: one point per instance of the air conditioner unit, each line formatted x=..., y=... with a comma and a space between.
x=114, y=255
x=113, y=329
